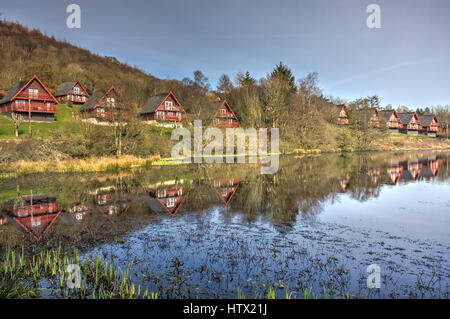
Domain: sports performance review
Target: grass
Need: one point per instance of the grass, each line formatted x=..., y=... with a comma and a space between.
x=39, y=129
x=92, y=164
x=48, y=272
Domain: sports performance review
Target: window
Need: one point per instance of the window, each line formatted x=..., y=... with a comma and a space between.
x=111, y=101
x=20, y=102
x=33, y=92
x=76, y=90
x=170, y=113
x=222, y=111
x=168, y=103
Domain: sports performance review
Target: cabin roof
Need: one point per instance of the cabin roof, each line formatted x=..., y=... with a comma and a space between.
x=426, y=120
x=153, y=102
x=20, y=86
x=11, y=93
x=385, y=114
x=65, y=87
x=212, y=107
x=406, y=117
x=95, y=98
x=93, y=101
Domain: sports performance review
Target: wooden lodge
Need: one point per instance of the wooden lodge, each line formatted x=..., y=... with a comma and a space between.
x=104, y=106
x=219, y=114
x=31, y=99
x=343, y=115
x=386, y=118
x=430, y=125
x=72, y=92
x=410, y=123
x=162, y=107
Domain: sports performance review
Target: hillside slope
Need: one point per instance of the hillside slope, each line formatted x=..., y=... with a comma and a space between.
x=21, y=47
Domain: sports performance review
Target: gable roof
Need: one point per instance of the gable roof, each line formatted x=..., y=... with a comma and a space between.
x=426, y=120
x=386, y=114
x=406, y=117
x=20, y=86
x=65, y=87
x=94, y=99
x=212, y=107
x=153, y=102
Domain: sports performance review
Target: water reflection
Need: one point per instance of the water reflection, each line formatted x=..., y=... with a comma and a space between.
x=301, y=189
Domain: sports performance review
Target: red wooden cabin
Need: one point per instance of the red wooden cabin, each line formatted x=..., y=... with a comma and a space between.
x=226, y=188
x=31, y=96
x=105, y=106
x=343, y=115
x=386, y=118
x=410, y=122
x=75, y=214
x=167, y=199
x=73, y=92
x=430, y=124
x=162, y=107
x=220, y=114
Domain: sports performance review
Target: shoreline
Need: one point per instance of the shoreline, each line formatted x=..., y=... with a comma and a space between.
x=128, y=162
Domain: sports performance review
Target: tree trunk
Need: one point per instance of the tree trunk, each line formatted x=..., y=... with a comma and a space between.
x=29, y=118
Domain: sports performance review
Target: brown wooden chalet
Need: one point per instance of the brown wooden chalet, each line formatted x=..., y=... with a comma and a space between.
x=35, y=214
x=386, y=118
x=226, y=188
x=410, y=122
x=166, y=198
x=162, y=107
x=430, y=124
x=105, y=106
x=219, y=113
x=30, y=98
x=73, y=92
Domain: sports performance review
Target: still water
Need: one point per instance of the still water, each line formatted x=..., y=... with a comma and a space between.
x=209, y=230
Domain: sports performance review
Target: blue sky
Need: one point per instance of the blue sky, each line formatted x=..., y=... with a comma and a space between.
x=406, y=62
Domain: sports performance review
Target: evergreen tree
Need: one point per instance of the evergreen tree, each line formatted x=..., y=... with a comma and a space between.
x=245, y=79
x=283, y=72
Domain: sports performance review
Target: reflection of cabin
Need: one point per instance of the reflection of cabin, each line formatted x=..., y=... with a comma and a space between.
x=30, y=96
x=220, y=114
x=162, y=107
x=76, y=214
x=110, y=202
x=104, y=106
x=3, y=220
x=73, y=92
x=410, y=123
x=430, y=125
x=343, y=115
x=386, y=118
x=395, y=173
x=344, y=181
x=415, y=169
x=166, y=198
x=34, y=214
x=375, y=176
x=226, y=188
x=435, y=166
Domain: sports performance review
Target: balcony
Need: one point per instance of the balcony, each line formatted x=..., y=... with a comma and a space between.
x=35, y=108
x=226, y=124
x=172, y=118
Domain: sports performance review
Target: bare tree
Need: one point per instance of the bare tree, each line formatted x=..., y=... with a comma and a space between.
x=17, y=120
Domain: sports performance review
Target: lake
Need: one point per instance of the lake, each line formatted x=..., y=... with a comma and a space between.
x=209, y=230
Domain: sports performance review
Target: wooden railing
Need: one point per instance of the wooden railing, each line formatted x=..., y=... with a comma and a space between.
x=36, y=108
